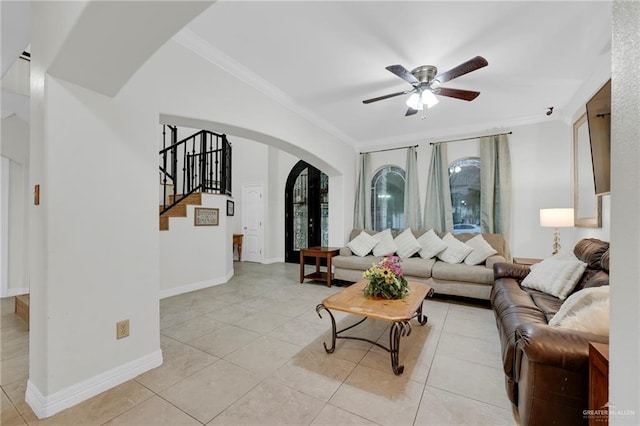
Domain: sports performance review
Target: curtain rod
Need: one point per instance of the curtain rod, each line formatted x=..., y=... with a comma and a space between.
x=466, y=139
x=390, y=149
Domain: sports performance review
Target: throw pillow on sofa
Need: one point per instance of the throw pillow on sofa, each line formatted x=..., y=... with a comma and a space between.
x=456, y=250
x=585, y=310
x=385, y=245
x=362, y=244
x=481, y=250
x=431, y=244
x=407, y=244
x=554, y=276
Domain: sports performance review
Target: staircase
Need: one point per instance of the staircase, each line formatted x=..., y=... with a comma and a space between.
x=196, y=164
x=179, y=209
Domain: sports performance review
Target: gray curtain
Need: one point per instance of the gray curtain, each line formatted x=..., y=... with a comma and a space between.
x=495, y=185
x=412, y=215
x=362, y=211
x=437, y=205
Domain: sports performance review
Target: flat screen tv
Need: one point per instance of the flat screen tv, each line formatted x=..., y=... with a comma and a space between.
x=599, y=121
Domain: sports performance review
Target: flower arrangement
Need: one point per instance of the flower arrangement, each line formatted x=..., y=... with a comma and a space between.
x=386, y=279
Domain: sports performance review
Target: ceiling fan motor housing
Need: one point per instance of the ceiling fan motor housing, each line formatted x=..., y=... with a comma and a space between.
x=425, y=73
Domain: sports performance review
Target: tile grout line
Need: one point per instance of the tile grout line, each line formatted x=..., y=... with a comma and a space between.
x=435, y=352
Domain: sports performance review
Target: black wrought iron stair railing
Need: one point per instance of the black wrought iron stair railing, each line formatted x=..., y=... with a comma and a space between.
x=198, y=163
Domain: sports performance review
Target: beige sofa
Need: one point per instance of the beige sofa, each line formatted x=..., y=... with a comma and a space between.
x=449, y=279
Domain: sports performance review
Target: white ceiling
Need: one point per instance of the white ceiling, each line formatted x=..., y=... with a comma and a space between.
x=324, y=58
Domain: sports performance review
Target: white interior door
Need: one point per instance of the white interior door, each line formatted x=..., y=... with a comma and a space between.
x=252, y=223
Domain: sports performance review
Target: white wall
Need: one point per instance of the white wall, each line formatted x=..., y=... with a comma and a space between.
x=257, y=163
x=541, y=159
x=624, y=379
x=195, y=257
x=15, y=147
x=95, y=240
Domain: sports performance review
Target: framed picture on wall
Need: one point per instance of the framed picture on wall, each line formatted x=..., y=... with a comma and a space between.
x=206, y=217
x=230, y=208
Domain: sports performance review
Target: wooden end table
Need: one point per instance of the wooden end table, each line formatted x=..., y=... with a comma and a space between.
x=528, y=261
x=318, y=253
x=399, y=312
x=598, y=383
x=237, y=240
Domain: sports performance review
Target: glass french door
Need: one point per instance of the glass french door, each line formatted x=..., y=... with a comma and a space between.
x=306, y=210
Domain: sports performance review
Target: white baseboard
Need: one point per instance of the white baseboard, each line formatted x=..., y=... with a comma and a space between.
x=47, y=405
x=174, y=291
x=273, y=260
x=17, y=292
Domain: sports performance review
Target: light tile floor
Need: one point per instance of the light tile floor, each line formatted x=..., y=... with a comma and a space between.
x=250, y=352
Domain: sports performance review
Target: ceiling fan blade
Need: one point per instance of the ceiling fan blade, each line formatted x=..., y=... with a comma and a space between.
x=411, y=111
x=462, y=69
x=465, y=95
x=403, y=73
x=391, y=95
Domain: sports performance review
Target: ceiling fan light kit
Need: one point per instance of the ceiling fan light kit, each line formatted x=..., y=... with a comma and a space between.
x=426, y=84
x=417, y=100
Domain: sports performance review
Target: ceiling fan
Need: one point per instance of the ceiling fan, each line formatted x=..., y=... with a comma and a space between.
x=426, y=84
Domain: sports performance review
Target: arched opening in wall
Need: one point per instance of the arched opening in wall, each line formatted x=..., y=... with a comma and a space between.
x=464, y=181
x=387, y=198
x=306, y=210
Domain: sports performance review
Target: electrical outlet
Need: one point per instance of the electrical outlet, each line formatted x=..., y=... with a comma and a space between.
x=122, y=329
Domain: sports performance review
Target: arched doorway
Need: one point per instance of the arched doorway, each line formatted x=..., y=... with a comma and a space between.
x=306, y=210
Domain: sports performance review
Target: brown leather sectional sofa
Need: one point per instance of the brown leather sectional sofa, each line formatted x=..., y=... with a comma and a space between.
x=546, y=368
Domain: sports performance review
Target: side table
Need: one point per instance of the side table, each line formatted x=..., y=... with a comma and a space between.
x=528, y=261
x=318, y=253
x=237, y=239
x=598, y=383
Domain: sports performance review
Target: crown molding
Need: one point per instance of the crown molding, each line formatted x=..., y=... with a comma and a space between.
x=457, y=131
x=203, y=48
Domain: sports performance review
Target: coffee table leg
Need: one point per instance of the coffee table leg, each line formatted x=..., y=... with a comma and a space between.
x=422, y=319
x=333, y=329
x=398, y=329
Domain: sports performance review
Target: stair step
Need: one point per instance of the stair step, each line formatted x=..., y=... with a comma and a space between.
x=195, y=198
x=180, y=210
x=22, y=307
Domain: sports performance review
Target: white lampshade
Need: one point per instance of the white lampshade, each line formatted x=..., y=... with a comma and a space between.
x=429, y=99
x=414, y=102
x=556, y=218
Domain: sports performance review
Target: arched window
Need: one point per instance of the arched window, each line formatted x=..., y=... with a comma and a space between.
x=464, y=180
x=387, y=198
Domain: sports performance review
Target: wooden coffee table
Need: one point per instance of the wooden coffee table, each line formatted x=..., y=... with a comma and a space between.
x=399, y=312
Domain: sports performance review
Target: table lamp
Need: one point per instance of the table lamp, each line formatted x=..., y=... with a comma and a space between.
x=556, y=218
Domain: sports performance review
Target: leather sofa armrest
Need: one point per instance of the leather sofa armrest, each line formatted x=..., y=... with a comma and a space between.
x=554, y=346
x=492, y=260
x=510, y=270
x=345, y=251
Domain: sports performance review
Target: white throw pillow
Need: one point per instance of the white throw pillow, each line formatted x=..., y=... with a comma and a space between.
x=579, y=300
x=362, y=244
x=407, y=244
x=590, y=319
x=431, y=244
x=456, y=250
x=555, y=276
x=385, y=245
x=481, y=250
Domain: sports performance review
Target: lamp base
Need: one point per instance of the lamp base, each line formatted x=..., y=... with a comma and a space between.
x=556, y=242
